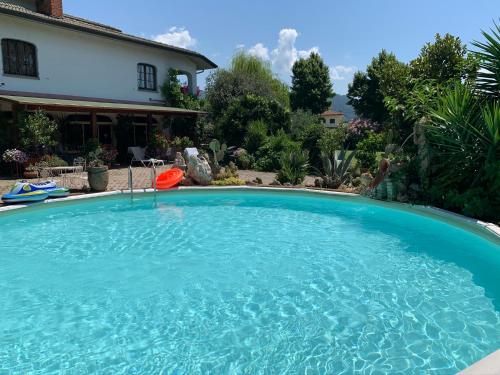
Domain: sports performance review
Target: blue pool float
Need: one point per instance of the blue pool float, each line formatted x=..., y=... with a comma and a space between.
x=24, y=192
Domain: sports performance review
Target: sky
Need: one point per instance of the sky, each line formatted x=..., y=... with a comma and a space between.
x=347, y=34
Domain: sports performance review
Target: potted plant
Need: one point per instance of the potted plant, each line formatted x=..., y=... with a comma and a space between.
x=16, y=157
x=97, y=172
x=108, y=156
x=30, y=172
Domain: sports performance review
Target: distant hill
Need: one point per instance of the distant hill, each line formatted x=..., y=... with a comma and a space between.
x=340, y=105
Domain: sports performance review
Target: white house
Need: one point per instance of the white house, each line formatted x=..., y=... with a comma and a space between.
x=86, y=72
x=332, y=119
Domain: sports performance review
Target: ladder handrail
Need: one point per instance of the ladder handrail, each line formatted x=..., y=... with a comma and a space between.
x=131, y=182
x=153, y=176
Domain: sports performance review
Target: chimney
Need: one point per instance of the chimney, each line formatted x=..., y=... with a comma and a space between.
x=53, y=8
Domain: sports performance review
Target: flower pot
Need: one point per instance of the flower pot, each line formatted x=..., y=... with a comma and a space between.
x=98, y=178
x=30, y=174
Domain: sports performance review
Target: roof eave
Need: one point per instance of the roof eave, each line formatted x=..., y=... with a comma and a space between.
x=206, y=63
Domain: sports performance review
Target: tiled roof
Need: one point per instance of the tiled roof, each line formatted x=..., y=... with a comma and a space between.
x=80, y=24
x=331, y=113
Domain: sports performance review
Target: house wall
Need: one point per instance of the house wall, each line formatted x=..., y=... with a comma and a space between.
x=339, y=119
x=80, y=64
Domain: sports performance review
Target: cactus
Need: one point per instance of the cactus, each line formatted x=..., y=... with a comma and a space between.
x=218, y=150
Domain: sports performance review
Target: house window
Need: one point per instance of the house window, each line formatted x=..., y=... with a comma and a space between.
x=19, y=58
x=332, y=121
x=146, y=77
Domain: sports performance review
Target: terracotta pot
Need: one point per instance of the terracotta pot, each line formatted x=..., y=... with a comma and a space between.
x=98, y=178
x=30, y=174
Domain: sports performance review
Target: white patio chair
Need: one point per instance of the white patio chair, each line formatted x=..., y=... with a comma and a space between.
x=139, y=156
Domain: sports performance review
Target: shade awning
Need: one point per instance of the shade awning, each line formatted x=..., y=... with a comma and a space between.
x=67, y=105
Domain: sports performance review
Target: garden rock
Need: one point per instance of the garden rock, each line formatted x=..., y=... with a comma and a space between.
x=199, y=170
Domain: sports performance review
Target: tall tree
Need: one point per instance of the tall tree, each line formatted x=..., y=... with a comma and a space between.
x=447, y=59
x=384, y=77
x=247, y=75
x=311, y=86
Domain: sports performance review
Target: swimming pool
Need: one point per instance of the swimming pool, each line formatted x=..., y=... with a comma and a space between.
x=242, y=281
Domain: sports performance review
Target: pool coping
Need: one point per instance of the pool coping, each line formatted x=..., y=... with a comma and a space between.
x=488, y=365
x=422, y=209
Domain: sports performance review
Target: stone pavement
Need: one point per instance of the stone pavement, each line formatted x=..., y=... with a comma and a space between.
x=118, y=179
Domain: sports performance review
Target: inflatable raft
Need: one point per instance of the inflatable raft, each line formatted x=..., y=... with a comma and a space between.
x=169, y=179
x=24, y=192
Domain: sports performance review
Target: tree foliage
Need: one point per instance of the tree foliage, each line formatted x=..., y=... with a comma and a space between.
x=311, y=85
x=246, y=75
x=488, y=53
x=38, y=132
x=385, y=76
x=444, y=60
x=233, y=125
x=464, y=133
x=300, y=120
x=174, y=96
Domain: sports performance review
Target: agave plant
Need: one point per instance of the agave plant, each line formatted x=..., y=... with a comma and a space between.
x=336, y=169
x=294, y=166
x=488, y=77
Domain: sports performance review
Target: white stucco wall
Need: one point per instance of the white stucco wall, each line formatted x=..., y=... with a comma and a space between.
x=80, y=64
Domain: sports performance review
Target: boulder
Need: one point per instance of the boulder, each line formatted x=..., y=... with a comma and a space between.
x=199, y=170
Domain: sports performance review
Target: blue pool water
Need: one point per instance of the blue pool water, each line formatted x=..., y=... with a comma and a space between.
x=242, y=283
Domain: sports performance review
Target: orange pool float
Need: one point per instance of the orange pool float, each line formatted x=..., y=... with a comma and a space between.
x=169, y=179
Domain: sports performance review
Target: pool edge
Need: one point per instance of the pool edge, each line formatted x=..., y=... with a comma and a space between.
x=451, y=217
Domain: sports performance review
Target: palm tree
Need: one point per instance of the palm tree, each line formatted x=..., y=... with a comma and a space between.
x=488, y=78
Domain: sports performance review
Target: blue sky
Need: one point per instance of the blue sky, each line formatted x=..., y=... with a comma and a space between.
x=347, y=33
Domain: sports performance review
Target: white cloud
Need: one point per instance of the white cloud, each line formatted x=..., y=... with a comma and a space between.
x=240, y=46
x=306, y=54
x=176, y=36
x=285, y=54
x=259, y=51
x=340, y=72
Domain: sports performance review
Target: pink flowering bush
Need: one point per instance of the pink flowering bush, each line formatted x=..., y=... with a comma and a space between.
x=14, y=156
x=357, y=129
x=108, y=156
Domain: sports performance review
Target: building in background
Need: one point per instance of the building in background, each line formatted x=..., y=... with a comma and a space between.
x=332, y=119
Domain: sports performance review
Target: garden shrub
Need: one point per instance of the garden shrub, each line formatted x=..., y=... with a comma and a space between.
x=228, y=182
x=358, y=129
x=256, y=136
x=38, y=133
x=179, y=144
x=243, y=159
x=53, y=161
x=332, y=140
x=309, y=139
x=300, y=120
x=233, y=125
x=294, y=166
x=268, y=156
x=367, y=149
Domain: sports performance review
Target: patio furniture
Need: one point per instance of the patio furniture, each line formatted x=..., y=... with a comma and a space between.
x=139, y=156
x=189, y=152
x=79, y=162
x=72, y=176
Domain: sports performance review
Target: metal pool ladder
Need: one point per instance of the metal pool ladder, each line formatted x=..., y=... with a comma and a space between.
x=131, y=182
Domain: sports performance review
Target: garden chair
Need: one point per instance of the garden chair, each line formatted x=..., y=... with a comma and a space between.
x=139, y=156
x=80, y=162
